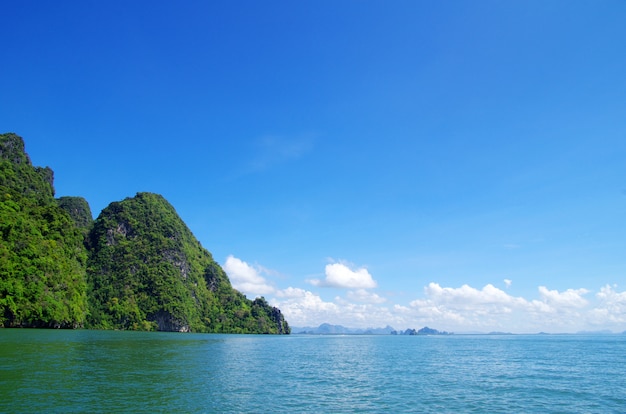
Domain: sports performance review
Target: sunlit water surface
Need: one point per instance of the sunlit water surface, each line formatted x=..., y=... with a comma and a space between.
x=109, y=371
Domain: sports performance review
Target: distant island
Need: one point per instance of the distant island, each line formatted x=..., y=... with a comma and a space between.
x=136, y=267
x=328, y=329
x=424, y=331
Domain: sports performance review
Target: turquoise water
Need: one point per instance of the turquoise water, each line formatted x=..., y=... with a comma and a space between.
x=100, y=371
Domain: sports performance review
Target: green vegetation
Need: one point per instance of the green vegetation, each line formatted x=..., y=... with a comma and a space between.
x=147, y=271
x=42, y=256
x=78, y=209
x=137, y=266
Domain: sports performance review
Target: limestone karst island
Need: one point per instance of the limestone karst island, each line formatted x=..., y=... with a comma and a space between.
x=136, y=267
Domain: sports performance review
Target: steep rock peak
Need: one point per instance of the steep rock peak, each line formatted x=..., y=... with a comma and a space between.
x=12, y=149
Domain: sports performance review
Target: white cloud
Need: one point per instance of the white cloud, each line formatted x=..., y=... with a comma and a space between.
x=456, y=309
x=362, y=295
x=571, y=298
x=611, y=308
x=467, y=296
x=291, y=292
x=467, y=308
x=461, y=309
x=341, y=276
x=245, y=278
x=305, y=308
x=612, y=299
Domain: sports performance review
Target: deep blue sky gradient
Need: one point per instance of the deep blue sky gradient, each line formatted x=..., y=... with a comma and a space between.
x=447, y=142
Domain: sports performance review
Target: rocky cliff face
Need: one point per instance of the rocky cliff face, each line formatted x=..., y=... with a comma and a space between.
x=147, y=269
x=42, y=256
x=18, y=174
x=137, y=266
x=78, y=209
x=12, y=149
x=166, y=322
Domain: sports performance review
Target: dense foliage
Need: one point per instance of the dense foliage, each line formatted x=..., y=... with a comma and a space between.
x=78, y=209
x=42, y=257
x=137, y=266
x=148, y=271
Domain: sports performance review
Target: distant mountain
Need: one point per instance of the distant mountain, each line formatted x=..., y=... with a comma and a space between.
x=424, y=331
x=328, y=329
x=387, y=330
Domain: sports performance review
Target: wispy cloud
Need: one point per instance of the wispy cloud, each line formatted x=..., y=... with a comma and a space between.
x=272, y=150
x=364, y=296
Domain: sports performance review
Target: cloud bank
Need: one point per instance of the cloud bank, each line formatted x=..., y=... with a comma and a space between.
x=463, y=309
x=456, y=309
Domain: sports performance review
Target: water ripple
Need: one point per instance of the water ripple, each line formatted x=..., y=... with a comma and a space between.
x=87, y=371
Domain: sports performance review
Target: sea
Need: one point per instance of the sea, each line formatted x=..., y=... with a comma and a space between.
x=82, y=371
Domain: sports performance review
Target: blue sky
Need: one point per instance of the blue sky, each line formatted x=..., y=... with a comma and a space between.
x=452, y=164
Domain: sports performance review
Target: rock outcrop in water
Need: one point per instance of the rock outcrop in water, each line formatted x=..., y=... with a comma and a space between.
x=137, y=266
x=423, y=331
